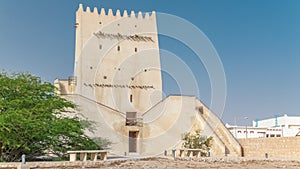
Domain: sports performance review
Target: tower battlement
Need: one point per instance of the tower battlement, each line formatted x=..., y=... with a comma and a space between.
x=89, y=22
x=117, y=14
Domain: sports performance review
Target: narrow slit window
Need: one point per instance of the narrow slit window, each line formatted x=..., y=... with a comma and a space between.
x=200, y=109
x=100, y=46
x=130, y=98
x=135, y=49
x=118, y=48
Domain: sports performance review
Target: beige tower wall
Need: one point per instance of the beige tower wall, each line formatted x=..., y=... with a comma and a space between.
x=165, y=123
x=162, y=129
x=117, y=59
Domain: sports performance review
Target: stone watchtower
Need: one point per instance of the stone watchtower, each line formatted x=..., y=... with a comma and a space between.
x=117, y=60
x=117, y=84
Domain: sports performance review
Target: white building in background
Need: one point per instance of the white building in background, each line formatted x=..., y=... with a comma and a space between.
x=254, y=132
x=279, y=126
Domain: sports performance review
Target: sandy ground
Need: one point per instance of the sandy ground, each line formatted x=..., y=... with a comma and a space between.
x=205, y=163
x=165, y=163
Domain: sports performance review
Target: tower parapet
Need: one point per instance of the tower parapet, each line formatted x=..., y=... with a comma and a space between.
x=110, y=12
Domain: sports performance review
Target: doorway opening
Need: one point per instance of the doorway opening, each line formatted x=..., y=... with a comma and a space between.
x=133, y=135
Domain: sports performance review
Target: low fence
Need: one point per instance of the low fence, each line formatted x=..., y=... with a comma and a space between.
x=185, y=152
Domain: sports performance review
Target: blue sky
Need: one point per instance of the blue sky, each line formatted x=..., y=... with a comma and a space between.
x=258, y=42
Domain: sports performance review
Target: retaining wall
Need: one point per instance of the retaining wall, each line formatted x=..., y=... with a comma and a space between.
x=280, y=147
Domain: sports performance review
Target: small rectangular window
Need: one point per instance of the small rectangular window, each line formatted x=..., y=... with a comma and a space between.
x=200, y=109
x=135, y=49
x=131, y=98
x=131, y=119
x=118, y=48
x=100, y=46
x=131, y=115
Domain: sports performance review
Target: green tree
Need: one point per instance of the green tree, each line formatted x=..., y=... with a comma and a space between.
x=196, y=141
x=33, y=120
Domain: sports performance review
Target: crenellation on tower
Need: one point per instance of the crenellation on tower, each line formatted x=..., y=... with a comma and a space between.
x=140, y=15
x=88, y=9
x=125, y=14
x=102, y=11
x=80, y=8
x=153, y=14
x=110, y=12
x=95, y=11
x=118, y=13
x=147, y=16
x=132, y=14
